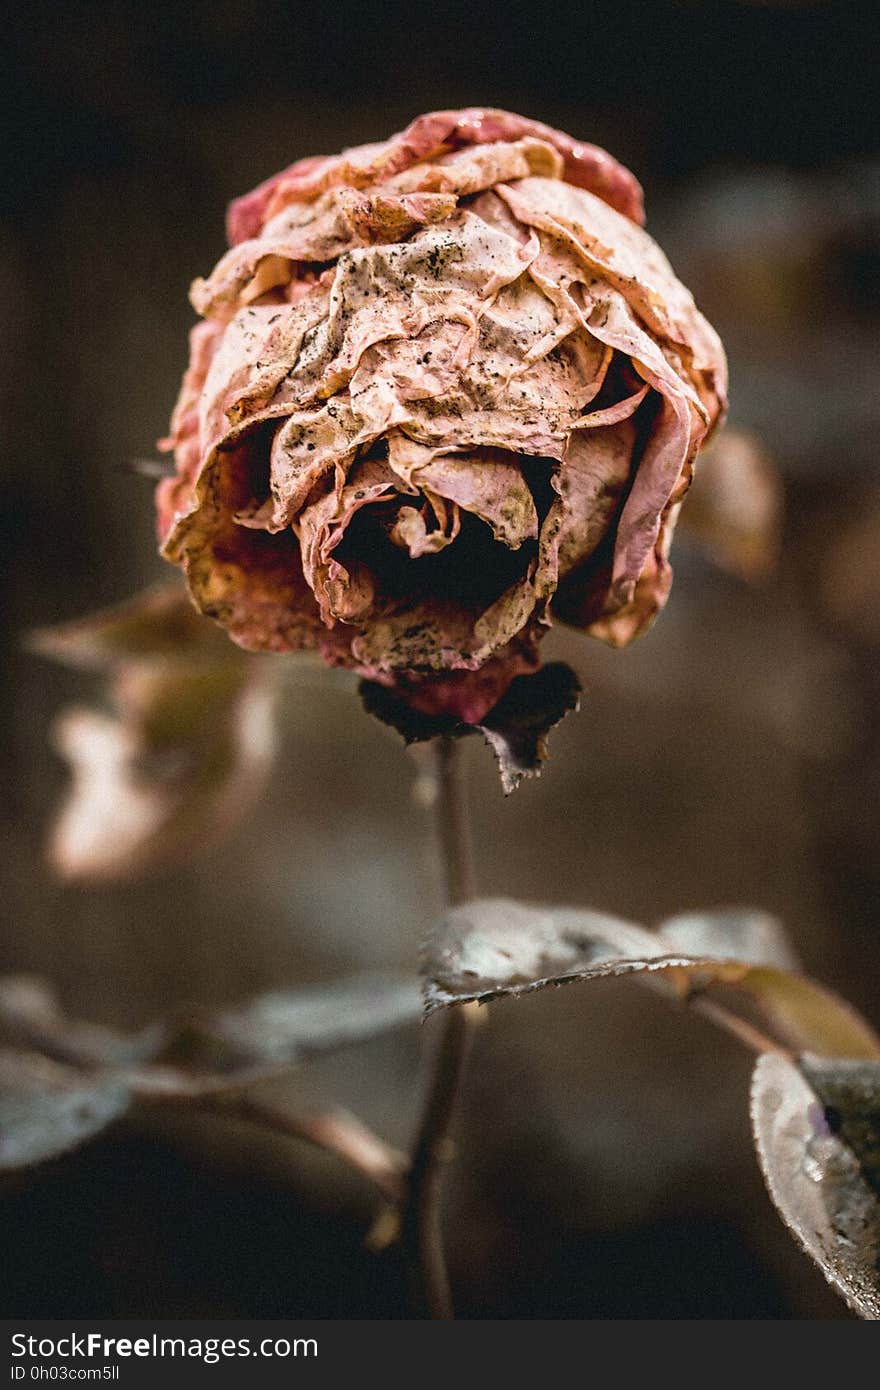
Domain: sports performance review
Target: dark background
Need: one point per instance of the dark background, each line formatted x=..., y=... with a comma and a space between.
x=604, y=1166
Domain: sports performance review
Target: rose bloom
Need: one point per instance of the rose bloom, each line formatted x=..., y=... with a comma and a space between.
x=446, y=389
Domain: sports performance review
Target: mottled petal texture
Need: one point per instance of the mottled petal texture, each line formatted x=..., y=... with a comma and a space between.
x=445, y=388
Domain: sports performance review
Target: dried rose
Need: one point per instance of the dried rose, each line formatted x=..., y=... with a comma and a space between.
x=446, y=389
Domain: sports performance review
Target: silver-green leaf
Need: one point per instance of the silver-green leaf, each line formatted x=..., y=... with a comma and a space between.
x=47, y=1109
x=288, y=1025
x=817, y=1133
x=493, y=948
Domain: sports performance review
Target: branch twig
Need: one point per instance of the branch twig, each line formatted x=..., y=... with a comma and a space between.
x=737, y=1027
x=336, y=1131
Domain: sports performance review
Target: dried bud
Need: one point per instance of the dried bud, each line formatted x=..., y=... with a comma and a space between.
x=446, y=388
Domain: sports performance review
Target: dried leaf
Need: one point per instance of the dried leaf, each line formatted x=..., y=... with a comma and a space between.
x=735, y=505
x=288, y=1025
x=491, y=948
x=773, y=993
x=391, y=707
x=804, y=1015
x=186, y=753
x=817, y=1133
x=164, y=781
x=516, y=727
x=159, y=622
x=47, y=1109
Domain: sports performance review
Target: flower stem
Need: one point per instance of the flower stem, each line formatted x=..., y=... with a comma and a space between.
x=422, y=1225
x=453, y=827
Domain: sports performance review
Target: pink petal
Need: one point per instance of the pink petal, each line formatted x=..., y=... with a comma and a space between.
x=490, y=485
x=585, y=166
x=590, y=484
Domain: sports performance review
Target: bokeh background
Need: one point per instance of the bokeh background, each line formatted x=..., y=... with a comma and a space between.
x=732, y=756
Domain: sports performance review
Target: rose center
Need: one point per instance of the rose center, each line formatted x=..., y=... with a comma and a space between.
x=472, y=571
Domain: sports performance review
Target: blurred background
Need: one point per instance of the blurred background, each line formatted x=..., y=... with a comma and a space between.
x=732, y=756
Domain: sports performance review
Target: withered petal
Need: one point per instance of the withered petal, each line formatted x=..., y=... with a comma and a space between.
x=590, y=484
x=490, y=485
x=464, y=321
x=614, y=249
x=428, y=136
x=436, y=635
x=345, y=220
x=412, y=529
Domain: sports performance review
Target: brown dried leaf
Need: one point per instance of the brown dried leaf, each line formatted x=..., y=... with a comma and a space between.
x=391, y=707
x=172, y=776
x=184, y=756
x=802, y=1014
x=491, y=948
x=516, y=728
x=735, y=505
x=47, y=1109
x=817, y=1133
x=160, y=622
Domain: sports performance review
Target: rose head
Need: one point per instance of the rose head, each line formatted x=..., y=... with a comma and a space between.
x=445, y=389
